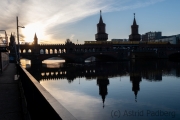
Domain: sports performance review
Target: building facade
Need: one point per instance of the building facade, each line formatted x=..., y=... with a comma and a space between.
x=151, y=36
x=174, y=39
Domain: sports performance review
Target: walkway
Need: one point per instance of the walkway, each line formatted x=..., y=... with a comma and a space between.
x=10, y=95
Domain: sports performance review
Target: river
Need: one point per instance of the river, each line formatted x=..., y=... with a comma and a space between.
x=126, y=90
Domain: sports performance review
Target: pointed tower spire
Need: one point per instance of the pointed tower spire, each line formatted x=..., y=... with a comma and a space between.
x=103, y=102
x=134, y=22
x=135, y=93
x=35, y=39
x=12, y=39
x=100, y=20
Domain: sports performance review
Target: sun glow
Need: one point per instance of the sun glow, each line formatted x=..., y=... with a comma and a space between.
x=30, y=30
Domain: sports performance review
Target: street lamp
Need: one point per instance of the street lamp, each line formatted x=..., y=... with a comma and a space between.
x=18, y=39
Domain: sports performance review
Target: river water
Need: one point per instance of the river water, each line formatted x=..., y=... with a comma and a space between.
x=127, y=90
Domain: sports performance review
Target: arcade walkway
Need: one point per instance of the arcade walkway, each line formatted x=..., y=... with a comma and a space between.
x=12, y=105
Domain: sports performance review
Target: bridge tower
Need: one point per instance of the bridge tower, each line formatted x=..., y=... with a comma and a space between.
x=35, y=52
x=101, y=30
x=35, y=44
x=35, y=40
x=135, y=36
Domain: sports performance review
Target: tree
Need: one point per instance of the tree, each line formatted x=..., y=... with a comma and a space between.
x=68, y=41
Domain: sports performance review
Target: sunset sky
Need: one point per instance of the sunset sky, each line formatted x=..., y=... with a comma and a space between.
x=54, y=21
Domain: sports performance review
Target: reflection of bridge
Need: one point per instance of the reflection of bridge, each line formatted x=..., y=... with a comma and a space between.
x=72, y=71
x=151, y=70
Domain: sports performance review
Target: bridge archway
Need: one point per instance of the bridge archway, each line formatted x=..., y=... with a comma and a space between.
x=51, y=51
x=41, y=51
x=29, y=50
x=55, y=51
x=46, y=51
x=24, y=51
x=53, y=62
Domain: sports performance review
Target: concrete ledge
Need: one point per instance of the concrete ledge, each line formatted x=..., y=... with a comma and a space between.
x=41, y=104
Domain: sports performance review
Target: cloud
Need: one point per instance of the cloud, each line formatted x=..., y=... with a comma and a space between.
x=42, y=15
x=137, y=4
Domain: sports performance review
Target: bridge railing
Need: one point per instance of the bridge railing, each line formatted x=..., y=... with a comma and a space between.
x=40, y=103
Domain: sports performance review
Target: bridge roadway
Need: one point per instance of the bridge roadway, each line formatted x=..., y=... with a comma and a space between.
x=110, y=52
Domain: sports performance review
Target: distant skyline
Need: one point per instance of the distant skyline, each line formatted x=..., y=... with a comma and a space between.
x=54, y=21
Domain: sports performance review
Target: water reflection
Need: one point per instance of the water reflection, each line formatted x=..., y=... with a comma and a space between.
x=149, y=70
x=103, y=83
x=132, y=87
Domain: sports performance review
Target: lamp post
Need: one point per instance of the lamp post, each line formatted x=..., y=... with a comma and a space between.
x=18, y=39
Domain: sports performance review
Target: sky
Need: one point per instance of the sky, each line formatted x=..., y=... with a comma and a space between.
x=54, y=21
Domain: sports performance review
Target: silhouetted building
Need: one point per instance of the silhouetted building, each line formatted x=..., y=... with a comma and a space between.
x=151, y=36
x=173, y=39
x=101, y=30
x=157, y=37
x=103, y=83
x=135, y=36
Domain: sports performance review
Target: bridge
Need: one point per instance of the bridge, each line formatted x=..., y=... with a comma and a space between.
x=103, y=51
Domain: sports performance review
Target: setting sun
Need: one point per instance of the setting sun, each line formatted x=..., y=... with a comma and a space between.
x=30, y=30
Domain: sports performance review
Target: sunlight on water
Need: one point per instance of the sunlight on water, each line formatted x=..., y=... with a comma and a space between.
x=53, y=63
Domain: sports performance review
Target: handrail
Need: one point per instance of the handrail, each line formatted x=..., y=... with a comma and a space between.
x=40, y=103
